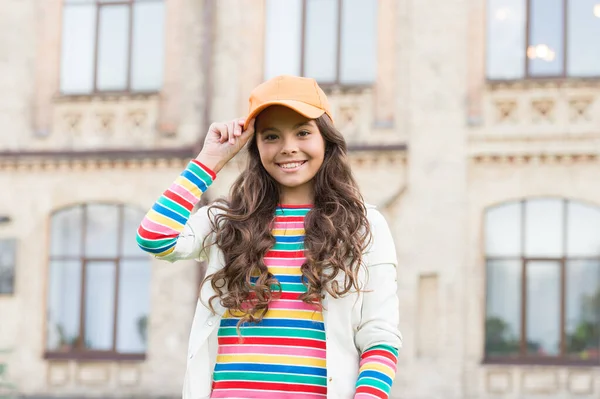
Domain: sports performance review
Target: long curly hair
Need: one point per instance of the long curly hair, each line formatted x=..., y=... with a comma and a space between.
x=337, y=233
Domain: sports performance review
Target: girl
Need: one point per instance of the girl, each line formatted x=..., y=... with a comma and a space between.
x=300, y=288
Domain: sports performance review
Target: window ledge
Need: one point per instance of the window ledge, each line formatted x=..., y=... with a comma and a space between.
x=537, y=361
x=105, y=96
x=543, y=82
x=342, y=88
x=96, y=356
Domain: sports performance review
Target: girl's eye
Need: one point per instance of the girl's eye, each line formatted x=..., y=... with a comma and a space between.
x=270, y=137
x=303, y=133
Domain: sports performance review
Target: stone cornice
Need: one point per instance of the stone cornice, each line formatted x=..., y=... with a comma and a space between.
x=550, y=83
x=536, y=158
x=142, y=159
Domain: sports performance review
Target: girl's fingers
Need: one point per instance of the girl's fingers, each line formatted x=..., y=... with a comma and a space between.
x=231, y=132
x=219, y=131
x=223, y=131
x=238, y=126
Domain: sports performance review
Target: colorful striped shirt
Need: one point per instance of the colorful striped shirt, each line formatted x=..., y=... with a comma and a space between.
x=165, y=221
x=283, y=355
x=288, y=347
x=376, y=373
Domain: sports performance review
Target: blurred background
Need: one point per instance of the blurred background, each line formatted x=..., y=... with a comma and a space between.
x=473, y=125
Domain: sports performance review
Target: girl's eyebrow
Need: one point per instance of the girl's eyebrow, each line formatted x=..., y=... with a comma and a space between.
x=307, y=123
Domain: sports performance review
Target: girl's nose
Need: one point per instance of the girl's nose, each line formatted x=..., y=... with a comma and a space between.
x=289, y=147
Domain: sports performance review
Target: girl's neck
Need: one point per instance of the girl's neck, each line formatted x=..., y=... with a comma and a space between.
x=296, y=196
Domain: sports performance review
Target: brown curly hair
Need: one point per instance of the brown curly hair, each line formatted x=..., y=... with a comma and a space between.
x=337, y=232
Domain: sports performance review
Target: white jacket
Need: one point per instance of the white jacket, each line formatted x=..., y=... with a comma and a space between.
x=353, y=323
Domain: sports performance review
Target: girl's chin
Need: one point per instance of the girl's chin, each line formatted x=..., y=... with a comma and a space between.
x=292, y=183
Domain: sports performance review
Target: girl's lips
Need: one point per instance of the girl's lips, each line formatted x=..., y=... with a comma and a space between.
x=288, y=169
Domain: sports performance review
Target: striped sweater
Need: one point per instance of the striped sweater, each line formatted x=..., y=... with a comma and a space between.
x=286, y=352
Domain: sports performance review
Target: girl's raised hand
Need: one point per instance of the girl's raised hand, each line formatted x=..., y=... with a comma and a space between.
x=224, y=140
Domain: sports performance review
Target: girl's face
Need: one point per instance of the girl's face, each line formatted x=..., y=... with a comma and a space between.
x=291, y=150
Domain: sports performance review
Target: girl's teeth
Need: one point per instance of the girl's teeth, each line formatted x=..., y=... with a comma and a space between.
x=291, y=165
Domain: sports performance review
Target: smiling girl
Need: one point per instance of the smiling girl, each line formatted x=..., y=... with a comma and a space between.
x=300, y=288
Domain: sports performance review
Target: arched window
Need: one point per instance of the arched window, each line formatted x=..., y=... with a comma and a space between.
x=543, y=282
x=98, y=285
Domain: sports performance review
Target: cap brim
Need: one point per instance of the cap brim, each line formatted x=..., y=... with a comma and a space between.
x=304, y=109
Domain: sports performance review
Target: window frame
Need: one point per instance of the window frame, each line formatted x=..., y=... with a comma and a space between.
x=79, y=352
x=98, y=4
x=526, y=75
x=523, y=358
x=336, y=83
x=11, y=242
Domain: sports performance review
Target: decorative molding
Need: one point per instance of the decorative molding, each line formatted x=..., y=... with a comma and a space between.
x=93, y=374
x=352, y=111
x=58, y=373
x=540, y=158
x=506, y=111
x=129, y=375
x=539, y=110
x=542, y=110
x=375, y=159
x=540, y=381
x=529, y=84
x=534, y=138
x=581, y=382
x=168, y=158
x=111, y=121
x=499, y=381
x=77, y=164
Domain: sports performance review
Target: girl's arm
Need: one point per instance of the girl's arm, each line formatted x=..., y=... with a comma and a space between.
x=169, y=230
x=378, y=337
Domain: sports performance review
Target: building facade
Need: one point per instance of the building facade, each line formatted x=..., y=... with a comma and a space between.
x=474, y=126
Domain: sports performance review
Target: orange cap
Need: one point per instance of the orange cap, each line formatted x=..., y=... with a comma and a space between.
x=303, y=95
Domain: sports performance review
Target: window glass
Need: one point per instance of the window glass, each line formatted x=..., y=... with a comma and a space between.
x=8, y=249
x=134, y=282
x=545, y=51
x=583, y=36
x=148, y=46
x=544, y=227
x=503, y=308
x=102, y=225
x=77, y=53
x=320, y=51
x=99, y=305
x=113, y=47
x=132, y=217
x=358, y=58
x=583, y=309
x=583, y=230
x=543, y=308
x=64, y=301
x=283, y=36
x=66, y=232
x=506, y=39
x=503, y=230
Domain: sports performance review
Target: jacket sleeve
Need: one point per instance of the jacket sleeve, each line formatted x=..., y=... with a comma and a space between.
x=171, y=230
x=378, y=338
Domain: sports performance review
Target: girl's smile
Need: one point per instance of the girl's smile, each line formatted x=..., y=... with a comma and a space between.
x=291, y=166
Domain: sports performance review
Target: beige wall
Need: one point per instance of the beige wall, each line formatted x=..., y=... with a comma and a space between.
x=471, y=145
